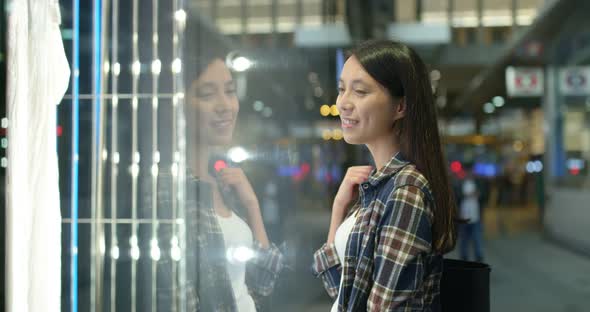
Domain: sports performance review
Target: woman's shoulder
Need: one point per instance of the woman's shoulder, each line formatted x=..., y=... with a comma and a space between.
x=409, y=175
x=407, y=182
x=411, y=187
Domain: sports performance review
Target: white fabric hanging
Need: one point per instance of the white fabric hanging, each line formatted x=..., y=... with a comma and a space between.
x=37, y=78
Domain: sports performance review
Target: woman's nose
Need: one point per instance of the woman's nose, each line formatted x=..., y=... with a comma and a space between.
x=343, y=104
x=224, y=103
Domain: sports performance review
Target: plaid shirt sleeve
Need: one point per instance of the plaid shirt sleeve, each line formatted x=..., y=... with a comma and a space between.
x=326, y=265
x=263, y=269
x=403, y=238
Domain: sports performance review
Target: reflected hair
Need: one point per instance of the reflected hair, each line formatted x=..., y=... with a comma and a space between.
x=402, y=72
x=201, y=47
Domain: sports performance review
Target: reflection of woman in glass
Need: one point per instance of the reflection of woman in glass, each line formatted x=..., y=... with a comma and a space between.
x=385, y=252
x=234, y=263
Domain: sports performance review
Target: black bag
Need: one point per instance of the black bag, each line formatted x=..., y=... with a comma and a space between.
x=465, y=286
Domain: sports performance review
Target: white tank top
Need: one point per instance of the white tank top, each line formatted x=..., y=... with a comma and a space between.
x=340, y=241
x=238, y=241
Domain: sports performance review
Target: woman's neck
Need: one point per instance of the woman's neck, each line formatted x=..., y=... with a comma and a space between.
x=383, y=150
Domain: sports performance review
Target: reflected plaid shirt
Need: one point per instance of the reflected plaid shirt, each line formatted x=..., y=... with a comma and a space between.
x=208, y=285
x=389, y=263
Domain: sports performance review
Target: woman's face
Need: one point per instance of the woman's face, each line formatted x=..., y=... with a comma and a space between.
x=215, y=105
x=366, y=108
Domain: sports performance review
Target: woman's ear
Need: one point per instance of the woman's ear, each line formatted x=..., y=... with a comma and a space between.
x=400, y=108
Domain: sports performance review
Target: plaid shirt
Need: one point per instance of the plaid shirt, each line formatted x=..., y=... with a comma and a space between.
x=389, y=263
x=208, y=285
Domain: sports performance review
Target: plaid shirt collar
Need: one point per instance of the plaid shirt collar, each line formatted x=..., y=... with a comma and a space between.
x=392, y=167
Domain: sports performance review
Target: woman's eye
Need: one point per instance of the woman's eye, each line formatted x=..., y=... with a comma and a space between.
x=205, y=95
x=360, y=92
x=340, y=90
x=231, y=91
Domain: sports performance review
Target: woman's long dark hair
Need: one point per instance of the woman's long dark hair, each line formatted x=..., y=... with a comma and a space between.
x=402, y=72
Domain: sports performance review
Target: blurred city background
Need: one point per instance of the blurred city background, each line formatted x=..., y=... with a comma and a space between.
x=511, y=80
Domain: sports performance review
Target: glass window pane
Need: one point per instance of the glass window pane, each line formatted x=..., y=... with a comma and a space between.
x=465, y=13
x=576, y=139
x=405, y=11
x=259, y=17
x=528, y=10
x=312, y=12
x=435, y=11
x=497, y=13
x=221, y=154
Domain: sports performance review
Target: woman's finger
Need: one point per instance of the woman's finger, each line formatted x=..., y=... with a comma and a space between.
x=356, y=180
x=228, y=180
x=363, y=170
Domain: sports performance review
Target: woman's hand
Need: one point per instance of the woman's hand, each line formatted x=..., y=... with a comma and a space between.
x=234, y=178
x=348, y=190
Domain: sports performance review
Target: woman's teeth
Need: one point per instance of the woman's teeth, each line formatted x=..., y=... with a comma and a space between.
x=222, y=124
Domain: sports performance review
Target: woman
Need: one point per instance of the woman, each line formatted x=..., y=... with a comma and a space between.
x=233, y=264
x=385, y=252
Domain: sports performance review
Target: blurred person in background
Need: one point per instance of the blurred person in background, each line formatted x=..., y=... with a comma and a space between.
x=232, y=265
x=471, y=194
x=390, y=225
